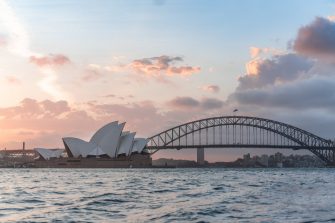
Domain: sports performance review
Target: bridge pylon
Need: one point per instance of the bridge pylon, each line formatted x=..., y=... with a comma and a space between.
x=201, y=156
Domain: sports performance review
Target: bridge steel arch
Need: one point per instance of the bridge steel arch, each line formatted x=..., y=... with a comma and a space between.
x=242, y=132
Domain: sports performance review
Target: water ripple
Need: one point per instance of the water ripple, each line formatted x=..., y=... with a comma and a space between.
x=167, y=195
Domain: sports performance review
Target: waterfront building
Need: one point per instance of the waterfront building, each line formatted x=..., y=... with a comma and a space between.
x=264, y=160
x=108, y=147
x=278, y=157
x=108, y=141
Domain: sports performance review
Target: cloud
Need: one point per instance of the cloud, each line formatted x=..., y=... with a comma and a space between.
x=312, y=93
x=185, y=103
x=93, y=72
x=296, y=88
x=155, y=66
x=55, y=108
x=331, y=18
x=255, y=51
x=48, y=84
x=18, y=39
x=317, y=39
x=183, y=70
x=110, y=68
x=288, y=81
x=138, y=115
x=44, y=123
x=3, y=41
x=128, y=97
x=211, y=103
x=277, y=69
x=13, y=80
x=18, y=43
x=50, y=60
x=31, y=108
x=211, y=88
x=46, y=65
x=110, y=96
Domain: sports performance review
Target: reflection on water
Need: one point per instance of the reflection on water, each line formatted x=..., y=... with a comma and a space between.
x=167, y=195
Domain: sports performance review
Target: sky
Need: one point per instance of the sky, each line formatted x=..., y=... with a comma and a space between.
x=69, y=67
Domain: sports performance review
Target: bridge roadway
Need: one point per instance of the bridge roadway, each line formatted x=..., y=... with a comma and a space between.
x=242, y=132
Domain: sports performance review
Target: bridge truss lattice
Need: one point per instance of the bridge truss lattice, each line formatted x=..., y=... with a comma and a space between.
x=242, y=132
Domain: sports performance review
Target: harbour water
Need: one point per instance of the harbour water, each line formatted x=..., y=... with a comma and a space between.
x=167, y=195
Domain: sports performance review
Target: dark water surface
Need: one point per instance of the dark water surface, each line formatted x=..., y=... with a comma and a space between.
x=167, y=195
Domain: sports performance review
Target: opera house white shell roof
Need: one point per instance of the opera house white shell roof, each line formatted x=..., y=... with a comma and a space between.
x=47, y=154
x=107, y=141
x=126, y=143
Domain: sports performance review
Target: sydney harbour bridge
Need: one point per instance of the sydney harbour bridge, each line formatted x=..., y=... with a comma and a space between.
x=242, y=132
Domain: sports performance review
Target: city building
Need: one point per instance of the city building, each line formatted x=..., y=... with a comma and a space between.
x=278, y=160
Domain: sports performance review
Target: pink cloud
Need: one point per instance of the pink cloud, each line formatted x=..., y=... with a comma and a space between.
x=95, y=72
x=3, y=41
x=13, y=80
x=183, y=71
x=92, y=75
x=44, y=123
x=211, y=88
x=110, y=96
x=50, y=60
x=255, y=51
x=48, y=121
x=253, y=66
x=155, y=66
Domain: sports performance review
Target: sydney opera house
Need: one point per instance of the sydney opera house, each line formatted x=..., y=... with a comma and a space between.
x=110, y=146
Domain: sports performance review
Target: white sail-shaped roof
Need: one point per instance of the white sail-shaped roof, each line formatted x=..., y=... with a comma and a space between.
x=126, y=143
x=110, y=138
x=138, y=145
x=78, y=147
x=49, y=153
x=97, y=137
x=97, y=151
x=125, y=133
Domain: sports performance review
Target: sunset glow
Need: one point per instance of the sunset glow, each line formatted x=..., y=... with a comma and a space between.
x=67, y=68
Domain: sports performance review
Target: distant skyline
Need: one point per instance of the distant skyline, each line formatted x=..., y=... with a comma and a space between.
x=69, y=67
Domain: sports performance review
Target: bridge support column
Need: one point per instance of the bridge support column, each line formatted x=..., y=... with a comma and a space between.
x=200, y=156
